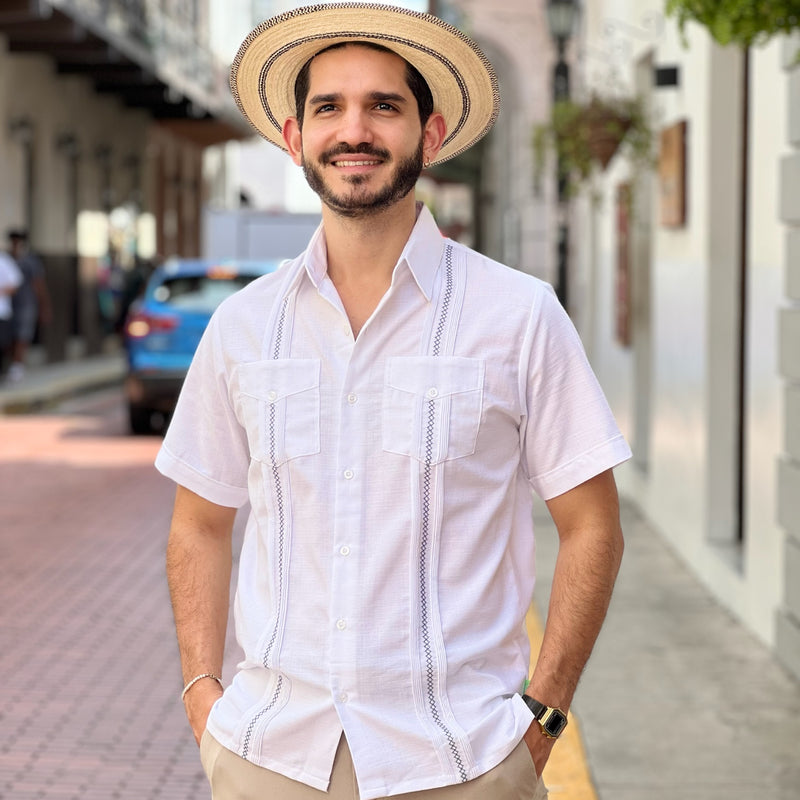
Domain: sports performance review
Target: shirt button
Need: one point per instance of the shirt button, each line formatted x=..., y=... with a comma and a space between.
x=433, y=392
x=344, y=550
x=272, y=396
x=352, y=399
x=343, y=698
x=341, y=624
x=349, y=474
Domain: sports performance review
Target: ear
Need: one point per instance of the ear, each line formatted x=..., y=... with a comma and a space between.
x=433, y=136
x=293, y=138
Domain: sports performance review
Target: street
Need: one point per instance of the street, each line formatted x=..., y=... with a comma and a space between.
x=91, y=697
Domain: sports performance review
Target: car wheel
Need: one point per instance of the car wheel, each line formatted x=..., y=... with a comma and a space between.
x=140, y=420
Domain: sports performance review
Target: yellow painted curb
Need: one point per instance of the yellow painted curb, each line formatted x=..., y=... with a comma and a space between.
x=567, y=771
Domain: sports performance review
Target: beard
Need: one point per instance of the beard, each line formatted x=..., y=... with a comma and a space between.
x=360, y=201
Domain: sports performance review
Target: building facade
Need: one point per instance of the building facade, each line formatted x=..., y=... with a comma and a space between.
x=106, y=109
x=687, y=300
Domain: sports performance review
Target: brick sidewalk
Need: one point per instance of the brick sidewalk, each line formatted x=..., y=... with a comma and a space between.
x=90, y=668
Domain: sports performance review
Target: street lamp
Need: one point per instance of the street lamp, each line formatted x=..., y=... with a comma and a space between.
x=562, y=16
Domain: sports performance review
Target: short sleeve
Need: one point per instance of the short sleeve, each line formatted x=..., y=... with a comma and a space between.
x=205, y=447
x=569, y=434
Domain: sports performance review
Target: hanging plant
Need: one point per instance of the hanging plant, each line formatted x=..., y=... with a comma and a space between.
x=742, y=22
x=586, y=136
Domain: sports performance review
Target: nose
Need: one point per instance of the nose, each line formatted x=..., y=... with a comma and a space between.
x=354, y=127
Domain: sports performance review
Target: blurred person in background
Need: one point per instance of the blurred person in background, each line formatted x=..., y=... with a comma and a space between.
x=30, y=302
x=387, y=402
x=10, y=280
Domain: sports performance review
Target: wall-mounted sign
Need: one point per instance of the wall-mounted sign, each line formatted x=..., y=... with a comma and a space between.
x=672, y=175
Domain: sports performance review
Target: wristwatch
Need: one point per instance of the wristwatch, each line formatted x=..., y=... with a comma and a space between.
x=552, y=720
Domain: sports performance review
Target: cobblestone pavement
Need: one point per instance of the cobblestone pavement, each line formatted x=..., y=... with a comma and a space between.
x=91, y=681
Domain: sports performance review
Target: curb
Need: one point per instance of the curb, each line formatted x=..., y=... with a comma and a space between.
x=45, y=386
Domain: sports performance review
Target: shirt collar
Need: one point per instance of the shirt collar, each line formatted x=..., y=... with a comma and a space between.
x=421, y=255
x=423, y=251
x=316, y=257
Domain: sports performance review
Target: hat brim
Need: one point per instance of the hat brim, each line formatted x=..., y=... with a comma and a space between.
x=460, y=77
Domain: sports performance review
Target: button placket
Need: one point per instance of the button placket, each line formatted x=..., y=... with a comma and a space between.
x=345, y=600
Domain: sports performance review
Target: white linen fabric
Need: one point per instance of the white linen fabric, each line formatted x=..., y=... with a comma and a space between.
x=388, y=559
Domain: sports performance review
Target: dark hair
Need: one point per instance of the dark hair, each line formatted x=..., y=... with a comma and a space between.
x=418, y=85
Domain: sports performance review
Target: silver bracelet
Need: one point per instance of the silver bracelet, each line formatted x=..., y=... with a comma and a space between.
x=194, y=680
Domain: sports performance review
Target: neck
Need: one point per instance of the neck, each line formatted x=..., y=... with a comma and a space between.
x=368, y=248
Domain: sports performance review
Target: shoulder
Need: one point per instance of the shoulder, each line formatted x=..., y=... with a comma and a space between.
x=253, y=302
x=503, y=283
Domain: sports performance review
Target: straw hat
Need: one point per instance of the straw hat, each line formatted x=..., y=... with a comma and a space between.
x=460, y=77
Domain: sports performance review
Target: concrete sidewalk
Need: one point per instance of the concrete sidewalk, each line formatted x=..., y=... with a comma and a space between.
x=679, y=701
x=41, y=386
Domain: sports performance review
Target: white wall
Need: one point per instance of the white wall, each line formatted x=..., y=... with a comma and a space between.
x=687, y=488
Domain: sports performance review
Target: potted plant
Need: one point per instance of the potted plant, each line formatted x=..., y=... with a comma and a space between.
x=586, y=136
x=742, y=22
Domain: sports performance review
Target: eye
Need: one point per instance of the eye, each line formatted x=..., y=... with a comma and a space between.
x=385, y=107
x=325, y=107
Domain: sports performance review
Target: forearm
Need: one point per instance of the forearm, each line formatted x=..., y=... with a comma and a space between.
x=198, y=574
x=589, y=556
x=586, y=569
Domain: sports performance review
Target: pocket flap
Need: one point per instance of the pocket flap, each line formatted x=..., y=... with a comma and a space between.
x=434, y=377
x=274, y=380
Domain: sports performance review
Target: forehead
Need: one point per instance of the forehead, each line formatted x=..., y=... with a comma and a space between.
x=356, y=58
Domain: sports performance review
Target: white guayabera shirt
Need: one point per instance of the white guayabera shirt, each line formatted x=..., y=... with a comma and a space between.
x=388, y=559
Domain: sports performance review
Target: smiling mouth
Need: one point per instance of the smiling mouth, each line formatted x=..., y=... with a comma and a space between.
x=354, y=163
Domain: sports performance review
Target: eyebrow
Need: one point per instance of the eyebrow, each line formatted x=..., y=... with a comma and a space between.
x=377, y=97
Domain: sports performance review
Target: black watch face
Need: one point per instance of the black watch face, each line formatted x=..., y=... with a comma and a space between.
x=554, y=724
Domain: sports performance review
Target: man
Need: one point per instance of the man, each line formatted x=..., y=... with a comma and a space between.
x=386, y=402
x=31, y=302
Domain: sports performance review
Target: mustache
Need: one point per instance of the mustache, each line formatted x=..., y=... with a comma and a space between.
x=363, y=149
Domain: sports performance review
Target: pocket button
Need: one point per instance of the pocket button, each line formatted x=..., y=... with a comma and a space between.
x=432, y=393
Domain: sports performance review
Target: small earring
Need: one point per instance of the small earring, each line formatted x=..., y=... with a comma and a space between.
x=427, y=163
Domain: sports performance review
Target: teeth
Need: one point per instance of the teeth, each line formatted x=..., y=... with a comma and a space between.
x=354, y=163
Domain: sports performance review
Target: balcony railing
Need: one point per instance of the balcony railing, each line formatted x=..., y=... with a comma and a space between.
x=165, y=37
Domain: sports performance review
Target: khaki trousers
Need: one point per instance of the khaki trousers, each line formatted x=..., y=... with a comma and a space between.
x=234, y=778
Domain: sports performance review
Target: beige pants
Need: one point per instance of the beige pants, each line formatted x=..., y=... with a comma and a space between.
x=233, y=778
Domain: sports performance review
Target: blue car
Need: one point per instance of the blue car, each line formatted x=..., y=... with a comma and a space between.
x=164, y=327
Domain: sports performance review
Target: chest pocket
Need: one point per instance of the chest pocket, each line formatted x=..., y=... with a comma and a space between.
x=432, y=407
x=281, y=407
